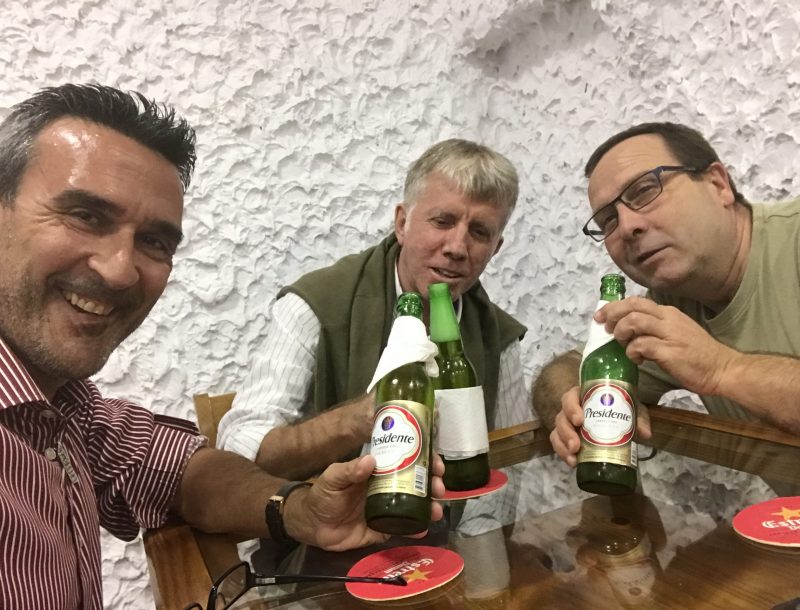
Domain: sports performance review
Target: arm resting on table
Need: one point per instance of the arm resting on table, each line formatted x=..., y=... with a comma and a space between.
x=558, y=376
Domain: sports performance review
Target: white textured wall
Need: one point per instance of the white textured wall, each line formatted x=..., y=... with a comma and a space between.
x=309, y=111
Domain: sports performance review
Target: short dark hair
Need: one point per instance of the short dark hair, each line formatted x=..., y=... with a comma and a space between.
x=154, y=125
x=688, y=145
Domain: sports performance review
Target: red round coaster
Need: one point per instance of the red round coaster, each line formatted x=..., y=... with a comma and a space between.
x=775, y=522
x=423, y=567
x=497, y=479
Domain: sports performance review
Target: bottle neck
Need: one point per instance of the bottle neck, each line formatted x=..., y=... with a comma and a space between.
x=409, y=304
x=612, y=296
x=612, y=287
x=444, y=324
x=448, y=349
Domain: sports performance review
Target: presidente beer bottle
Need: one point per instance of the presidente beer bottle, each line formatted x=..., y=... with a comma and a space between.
x=398, y=494
x=462, y=439
x=607, y=457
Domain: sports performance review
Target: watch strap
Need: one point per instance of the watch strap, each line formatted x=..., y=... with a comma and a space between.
x=273, y=513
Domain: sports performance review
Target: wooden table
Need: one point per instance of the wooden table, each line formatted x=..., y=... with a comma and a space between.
x=595, y=553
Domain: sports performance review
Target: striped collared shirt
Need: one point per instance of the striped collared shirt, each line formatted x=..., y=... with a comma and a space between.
x=68, y=467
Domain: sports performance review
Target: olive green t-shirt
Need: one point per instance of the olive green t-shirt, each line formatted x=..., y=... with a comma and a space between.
x=764, y=315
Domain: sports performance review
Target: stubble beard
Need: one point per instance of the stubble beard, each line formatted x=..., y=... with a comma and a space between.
x=24, y=327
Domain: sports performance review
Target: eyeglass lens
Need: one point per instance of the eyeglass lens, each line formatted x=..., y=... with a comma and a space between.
x=637, y=195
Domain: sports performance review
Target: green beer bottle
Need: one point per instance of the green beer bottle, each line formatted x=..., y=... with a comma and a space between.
x=462, y=437
x=607, y=458
x=399, y=490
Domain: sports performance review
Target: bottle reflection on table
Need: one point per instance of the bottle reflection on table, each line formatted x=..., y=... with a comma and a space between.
x=617, y=540
x=486, y=575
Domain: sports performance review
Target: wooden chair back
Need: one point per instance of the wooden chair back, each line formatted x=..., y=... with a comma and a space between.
x=210, y=410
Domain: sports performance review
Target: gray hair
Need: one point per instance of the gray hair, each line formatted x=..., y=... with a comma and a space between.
x=477, y=172
x=154, y=125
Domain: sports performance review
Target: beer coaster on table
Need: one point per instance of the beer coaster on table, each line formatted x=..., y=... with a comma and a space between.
x=497, y=480
x=774, y=523
x=424, y=568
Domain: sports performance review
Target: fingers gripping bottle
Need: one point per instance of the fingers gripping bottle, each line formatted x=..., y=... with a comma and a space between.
x=399, y=490
x=462, y=437
x=607, y=457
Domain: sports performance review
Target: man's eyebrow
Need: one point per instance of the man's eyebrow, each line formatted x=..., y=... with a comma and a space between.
x=82, y=197
x=101, y=204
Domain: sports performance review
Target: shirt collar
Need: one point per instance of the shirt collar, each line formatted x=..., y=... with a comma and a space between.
x=398, y=290
x=16, y=384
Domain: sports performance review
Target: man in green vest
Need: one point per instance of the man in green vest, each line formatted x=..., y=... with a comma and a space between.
x=720, y=317
x=303, y=406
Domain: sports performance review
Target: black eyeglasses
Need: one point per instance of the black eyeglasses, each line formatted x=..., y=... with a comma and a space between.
x=639, y=193
x=239, y=579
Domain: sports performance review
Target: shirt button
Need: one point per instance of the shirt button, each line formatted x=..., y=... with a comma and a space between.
x=50, y=454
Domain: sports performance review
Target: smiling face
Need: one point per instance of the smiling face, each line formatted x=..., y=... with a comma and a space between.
x=85, y=248
x=677, y=242
x=446, y=237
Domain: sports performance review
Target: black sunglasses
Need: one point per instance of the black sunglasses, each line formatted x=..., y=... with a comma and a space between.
x=239, y=579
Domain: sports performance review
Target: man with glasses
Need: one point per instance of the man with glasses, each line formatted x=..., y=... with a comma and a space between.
x=92, y=182
x=723, y=303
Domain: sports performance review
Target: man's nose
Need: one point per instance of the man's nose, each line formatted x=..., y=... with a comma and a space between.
x=115, y=261
x=629, y=223
x=456, y=240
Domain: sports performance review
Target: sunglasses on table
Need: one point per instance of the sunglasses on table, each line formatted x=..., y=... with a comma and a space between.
x=239, y=579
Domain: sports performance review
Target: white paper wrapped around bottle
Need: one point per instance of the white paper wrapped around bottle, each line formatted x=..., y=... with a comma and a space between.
x=408, y=342
x=598, y=336
x=461, y=431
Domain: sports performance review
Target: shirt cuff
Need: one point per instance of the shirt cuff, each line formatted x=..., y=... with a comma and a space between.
x=245, y=440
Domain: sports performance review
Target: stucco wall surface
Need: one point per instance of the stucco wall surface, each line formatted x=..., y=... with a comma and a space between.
x=309, y=112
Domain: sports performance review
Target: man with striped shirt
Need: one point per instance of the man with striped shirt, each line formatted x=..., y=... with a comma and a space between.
x=91, y=200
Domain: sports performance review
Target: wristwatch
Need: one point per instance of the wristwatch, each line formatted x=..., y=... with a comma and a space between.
x=273, y=513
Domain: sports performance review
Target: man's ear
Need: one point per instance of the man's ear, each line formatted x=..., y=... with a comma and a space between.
x=717, y=176
x=400, y=216
x=499, y=243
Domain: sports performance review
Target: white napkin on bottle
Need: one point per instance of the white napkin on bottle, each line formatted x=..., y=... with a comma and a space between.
x=408, y=342
x=597, y=335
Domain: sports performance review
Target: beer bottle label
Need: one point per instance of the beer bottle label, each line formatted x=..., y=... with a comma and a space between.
x=609, y=422
x=401, y=446
x=461, y=430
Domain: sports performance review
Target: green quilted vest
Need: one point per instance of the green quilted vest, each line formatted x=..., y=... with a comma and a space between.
x=354, y=299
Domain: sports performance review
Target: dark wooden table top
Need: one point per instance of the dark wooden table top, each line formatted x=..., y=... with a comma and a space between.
x=598, y=552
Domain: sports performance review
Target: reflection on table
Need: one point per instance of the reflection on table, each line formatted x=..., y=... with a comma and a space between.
x=670, y=546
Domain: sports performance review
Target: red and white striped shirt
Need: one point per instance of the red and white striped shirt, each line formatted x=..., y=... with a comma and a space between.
x=66, y=468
